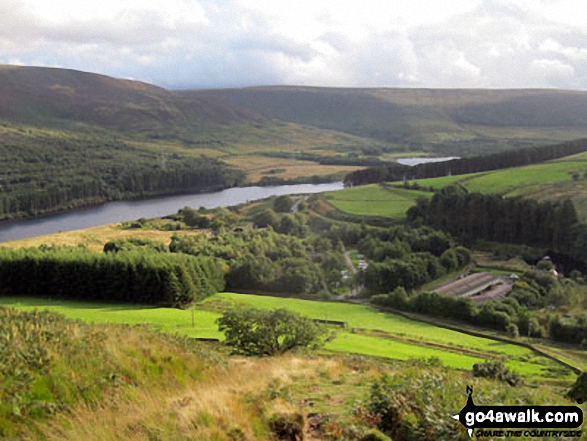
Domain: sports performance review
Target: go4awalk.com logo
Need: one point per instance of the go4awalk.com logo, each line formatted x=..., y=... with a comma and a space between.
x=527, y=421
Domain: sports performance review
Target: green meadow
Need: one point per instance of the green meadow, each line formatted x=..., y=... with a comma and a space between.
x=548, y=181
x=375, y=200
x=376, y=333
x=163, y=319
x=517, y=181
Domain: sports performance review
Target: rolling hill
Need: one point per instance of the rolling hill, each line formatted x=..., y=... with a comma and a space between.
x=466, y=121
x=556, y=180
x=40, y=95
x=53, y=122
x=455, y=120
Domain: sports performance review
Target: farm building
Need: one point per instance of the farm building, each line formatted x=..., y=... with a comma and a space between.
x=479, y=284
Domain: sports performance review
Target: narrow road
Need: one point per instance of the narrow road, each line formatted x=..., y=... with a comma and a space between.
x=294, y=208
x=354, y=291
x=349, y=262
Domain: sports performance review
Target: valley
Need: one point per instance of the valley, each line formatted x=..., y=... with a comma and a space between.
x=314, y=315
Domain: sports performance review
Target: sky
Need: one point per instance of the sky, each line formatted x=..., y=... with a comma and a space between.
x=369, y=43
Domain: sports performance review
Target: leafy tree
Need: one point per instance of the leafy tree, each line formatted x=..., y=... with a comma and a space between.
x=545, y=265
x=512, y=330
x=266, y=218
x=283, y=204
x=265, y=333
x=192, y=218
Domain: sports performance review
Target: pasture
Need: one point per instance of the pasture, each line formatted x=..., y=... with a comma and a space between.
x=548, y=181
x=519, y=180
x=375, y=200
x=375, y=333
x=257, y=167
x=95, y=238
x=513, y=181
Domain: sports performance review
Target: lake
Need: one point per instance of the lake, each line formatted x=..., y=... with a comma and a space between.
x=416, y=161
x=123, y=211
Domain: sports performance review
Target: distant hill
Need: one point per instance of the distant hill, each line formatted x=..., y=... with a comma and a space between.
x=465, y=117
x=463, y=121
x=38, y=95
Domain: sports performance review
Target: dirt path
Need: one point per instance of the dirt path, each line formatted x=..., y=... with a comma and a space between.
x=349, y=262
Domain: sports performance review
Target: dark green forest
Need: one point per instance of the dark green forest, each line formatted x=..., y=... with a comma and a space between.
x=48, y=174
x=152, y=278
x=475, y=216
x=266, y=260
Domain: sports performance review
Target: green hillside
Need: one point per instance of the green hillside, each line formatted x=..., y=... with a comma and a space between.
x=70, y=139
x=70, y=380
x=554, y=180
x=375, y=200
x=378, y=334
x=45, y=95
x=446, y=120
x=138, y=137
x=442, y=120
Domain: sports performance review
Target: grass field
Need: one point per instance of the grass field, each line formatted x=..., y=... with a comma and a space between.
x=375, y=200
x=258, y=167
x=382, y=335
x=513, y=181
x=551, y=181
x=94, y=238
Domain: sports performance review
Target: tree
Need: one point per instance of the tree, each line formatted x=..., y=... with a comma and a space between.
x=264, y=333
x=512, y=330
x=266, y=218
x=283, y=204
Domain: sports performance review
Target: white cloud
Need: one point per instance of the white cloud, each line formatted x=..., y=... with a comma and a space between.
x=555, y=68
x=426, y=43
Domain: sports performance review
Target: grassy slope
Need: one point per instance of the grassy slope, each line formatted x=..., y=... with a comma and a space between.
x=465, y=117
x=96, y=237
x=385, y=335
x=121, y=382
x=375, y=200
x=41, y=104
x=254, y=121
x=551, y=180
x=258, y=167
x=49, y=365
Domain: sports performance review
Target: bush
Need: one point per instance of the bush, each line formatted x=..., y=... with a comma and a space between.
x=512, y=330
x=406, y=409
x=498, y=371
x=382, y=404
x=578, y=391
x=287, y=427
x=264, y=333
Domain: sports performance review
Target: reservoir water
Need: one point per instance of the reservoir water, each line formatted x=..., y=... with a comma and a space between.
x=123, y=211
x=416, y=161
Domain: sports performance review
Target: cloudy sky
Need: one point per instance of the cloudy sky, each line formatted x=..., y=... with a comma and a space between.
x=226, y=43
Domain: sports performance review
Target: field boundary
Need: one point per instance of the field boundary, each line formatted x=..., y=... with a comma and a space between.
x=454, y=349
x=537, y=351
